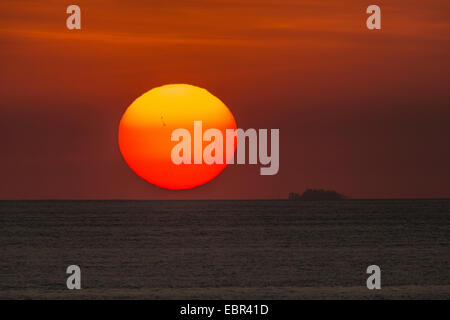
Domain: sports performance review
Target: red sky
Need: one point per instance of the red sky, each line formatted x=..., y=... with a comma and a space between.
x=366, y=113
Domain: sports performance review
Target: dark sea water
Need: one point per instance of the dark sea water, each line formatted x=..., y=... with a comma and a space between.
x=225, y=249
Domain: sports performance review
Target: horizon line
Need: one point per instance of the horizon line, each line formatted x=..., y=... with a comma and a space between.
x=218, y=199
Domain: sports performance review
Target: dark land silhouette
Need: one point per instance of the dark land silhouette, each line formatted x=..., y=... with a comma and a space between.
x=317, y=194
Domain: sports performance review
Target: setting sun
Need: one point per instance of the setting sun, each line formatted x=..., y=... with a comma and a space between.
x=146, y=127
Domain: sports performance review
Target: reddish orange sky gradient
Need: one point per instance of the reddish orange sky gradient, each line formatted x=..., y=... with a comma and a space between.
x=364, y=112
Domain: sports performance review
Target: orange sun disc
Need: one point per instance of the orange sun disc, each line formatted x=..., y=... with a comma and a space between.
x=146, y=128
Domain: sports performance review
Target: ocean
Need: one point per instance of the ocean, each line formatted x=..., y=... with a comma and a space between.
x=272, y=249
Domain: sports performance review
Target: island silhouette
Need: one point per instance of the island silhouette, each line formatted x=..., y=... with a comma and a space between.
x=316, y=194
